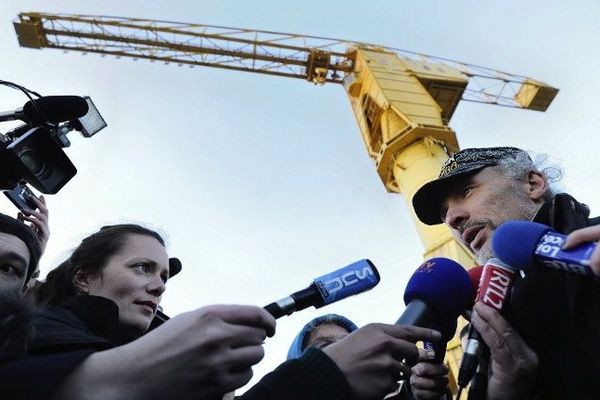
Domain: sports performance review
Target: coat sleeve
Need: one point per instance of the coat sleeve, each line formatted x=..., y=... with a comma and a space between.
x=312, y=376
x=36, y=377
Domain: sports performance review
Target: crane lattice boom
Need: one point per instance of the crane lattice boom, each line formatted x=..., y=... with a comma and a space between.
x=316, y=59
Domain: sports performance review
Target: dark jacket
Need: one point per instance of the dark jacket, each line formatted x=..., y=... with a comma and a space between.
x=313, y=376
x=558, y=315
x=80, y=323
x=63, y=338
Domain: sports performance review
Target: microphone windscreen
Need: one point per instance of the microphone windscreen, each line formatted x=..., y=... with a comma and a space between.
x=443, y=284
x=56, y=109
x=514, y=242
x=353, y=279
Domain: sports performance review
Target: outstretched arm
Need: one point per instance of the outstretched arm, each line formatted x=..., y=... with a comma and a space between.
x=201, y=354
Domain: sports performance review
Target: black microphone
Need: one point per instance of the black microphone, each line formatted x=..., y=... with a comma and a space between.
x=350, y=280
x=49, y=109
x=479, y=383
x=448, y=329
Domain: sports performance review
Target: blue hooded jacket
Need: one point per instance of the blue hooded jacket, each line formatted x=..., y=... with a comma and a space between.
x=297, y=348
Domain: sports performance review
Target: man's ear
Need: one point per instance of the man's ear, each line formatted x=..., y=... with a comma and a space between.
x=81, y=281
x=537, y=186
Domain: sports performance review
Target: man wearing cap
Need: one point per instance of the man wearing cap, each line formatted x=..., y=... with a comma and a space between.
x=549, y=349
x=19, y=254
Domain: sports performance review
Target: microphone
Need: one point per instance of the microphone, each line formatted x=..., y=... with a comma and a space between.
x=49, y=109
x=524, y=244
x=494, y=289
x=448, y=329
x=438, y=291
x=475, y=277
x=348, y=281
x=479, y=383
x=436, y=294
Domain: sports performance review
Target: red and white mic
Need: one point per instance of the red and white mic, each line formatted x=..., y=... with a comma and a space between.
x=494, y=289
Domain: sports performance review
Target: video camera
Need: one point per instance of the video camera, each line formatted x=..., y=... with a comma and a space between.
x=32, y=152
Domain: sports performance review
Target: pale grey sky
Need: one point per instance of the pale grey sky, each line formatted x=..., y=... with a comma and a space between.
x=262, y=183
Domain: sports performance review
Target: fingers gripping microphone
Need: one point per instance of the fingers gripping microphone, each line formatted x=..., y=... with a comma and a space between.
x=348, y=281
x=447, y=329
x=435, y=295
x=524, y=244
x=494, y=289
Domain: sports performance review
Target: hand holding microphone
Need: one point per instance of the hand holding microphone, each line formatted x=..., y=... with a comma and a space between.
x=513, y=362
x=493, y=290
x=524, y=245
x=586, y=235
x=436, y=294
x=375, y=357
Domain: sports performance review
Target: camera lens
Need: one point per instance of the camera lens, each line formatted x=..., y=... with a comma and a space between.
x=35, y=162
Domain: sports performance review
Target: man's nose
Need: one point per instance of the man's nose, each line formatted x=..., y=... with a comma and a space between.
x=456, y=215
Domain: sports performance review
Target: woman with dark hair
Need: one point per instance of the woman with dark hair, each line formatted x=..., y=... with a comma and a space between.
x=106, y=293
x=91, y=339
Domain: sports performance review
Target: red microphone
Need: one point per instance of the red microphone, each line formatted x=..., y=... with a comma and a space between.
x=493, y=290
x=475, y=276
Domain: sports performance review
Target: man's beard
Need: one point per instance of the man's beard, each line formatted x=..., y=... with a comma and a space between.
x=485, y=253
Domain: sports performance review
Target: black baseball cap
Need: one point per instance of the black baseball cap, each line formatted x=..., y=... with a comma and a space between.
x=12, y=226
x=428, y=200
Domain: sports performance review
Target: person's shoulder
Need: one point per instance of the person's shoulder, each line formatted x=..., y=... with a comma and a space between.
x=57, y=329
x=593, y=221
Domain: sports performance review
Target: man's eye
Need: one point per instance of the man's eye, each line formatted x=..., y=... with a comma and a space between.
x=322, y=344
x=9, y=269
x=467, y=190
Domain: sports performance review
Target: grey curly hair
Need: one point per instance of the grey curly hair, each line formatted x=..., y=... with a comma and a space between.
x=517, y=168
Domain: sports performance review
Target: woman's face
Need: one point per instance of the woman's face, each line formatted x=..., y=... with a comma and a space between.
x=134, y=278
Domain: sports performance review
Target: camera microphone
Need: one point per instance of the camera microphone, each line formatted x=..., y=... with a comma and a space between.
x=348, y=281
x=49, y=109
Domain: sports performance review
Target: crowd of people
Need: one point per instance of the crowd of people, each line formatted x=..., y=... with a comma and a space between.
x=91, y=328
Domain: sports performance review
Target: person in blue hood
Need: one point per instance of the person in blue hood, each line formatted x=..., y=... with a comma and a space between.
x=320, y=333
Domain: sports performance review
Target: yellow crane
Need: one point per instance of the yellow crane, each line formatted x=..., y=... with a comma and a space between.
x=402, y=100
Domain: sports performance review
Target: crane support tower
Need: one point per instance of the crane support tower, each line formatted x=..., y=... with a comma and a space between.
x=402, y=100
